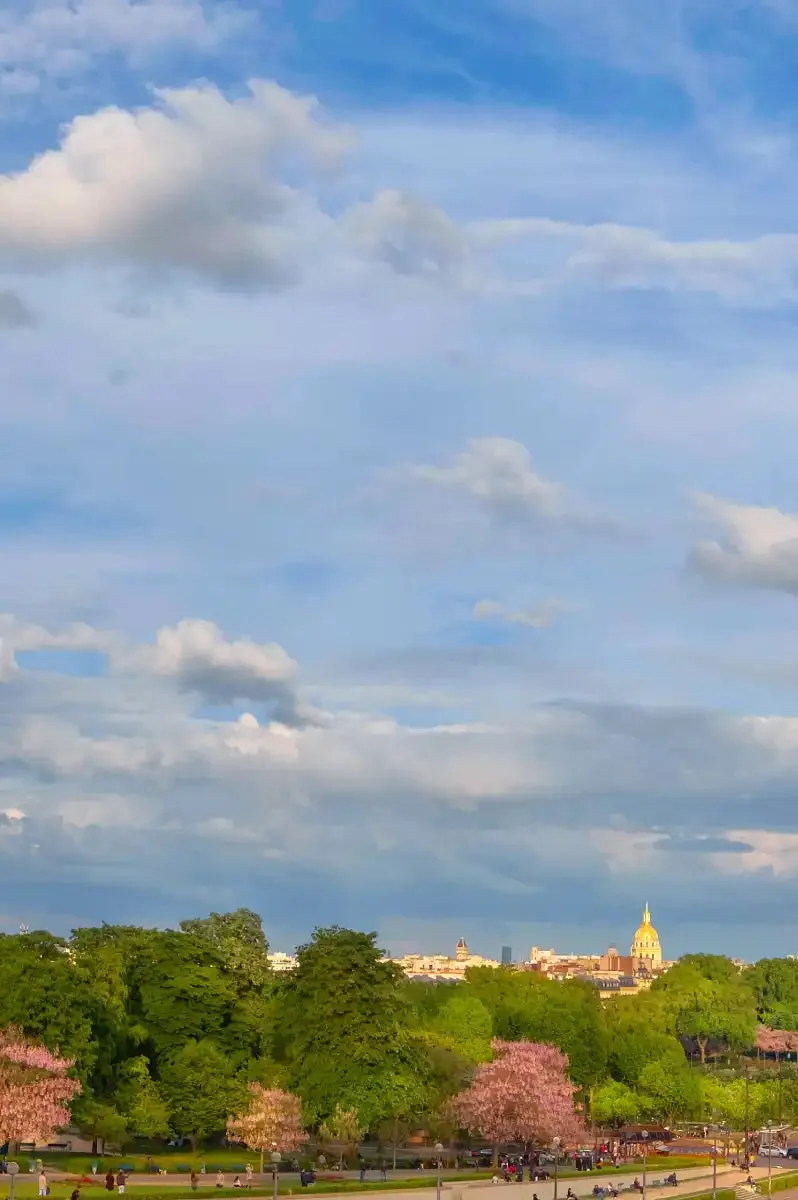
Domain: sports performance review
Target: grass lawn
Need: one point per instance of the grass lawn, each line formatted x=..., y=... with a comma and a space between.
x=234, y=1160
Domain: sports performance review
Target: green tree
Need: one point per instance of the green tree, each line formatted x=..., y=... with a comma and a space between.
x=614, y=1104
x=464, y=1025
x=703, y=1005
x=239, y=941
x=568, y=1014
x=343, y=1029
x=142, y=1101
x=201, y=1090
x=635, y=1041
x=100, y=1122
x=667, y=1093
x=50, y=998
x=774, y=982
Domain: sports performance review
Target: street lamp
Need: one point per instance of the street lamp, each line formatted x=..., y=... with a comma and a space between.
x=12, y=1170
x=715, y=1163
x=770, y=1154
x=644, y=1136
x=439, y=1152
x=276, y=1156
x=556, y=1144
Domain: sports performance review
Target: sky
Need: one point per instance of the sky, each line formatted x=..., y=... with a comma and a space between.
x=398, y=506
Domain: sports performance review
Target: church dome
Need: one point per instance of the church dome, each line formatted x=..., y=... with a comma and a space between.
x=646, y=944
x=646, y=931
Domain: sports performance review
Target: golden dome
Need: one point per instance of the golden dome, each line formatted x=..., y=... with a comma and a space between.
x=646, y=932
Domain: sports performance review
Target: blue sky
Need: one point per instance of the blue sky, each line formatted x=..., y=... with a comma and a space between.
x=398, y=512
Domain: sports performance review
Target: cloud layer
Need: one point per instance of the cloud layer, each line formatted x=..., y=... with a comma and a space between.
x=369, y=382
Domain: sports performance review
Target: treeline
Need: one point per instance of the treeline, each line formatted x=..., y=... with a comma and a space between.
x=168, y=1029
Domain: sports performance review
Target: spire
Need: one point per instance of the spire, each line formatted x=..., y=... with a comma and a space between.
x=646, y=915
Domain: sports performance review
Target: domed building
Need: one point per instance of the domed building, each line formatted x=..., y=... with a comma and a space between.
x=461, y=952
x=646, y=946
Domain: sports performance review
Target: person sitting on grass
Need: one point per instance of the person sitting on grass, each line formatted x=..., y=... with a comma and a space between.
x=237, y=1181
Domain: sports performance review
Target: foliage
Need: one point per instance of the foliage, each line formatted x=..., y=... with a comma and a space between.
x=344, y=1031
x=774, y=983
x=201, y=1090
x=567, y=1014
x=614, y=1104
x=704, y=1000
x=35, y=1090
x=522, y=1096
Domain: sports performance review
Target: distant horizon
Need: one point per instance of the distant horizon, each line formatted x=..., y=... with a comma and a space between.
x=399, y=946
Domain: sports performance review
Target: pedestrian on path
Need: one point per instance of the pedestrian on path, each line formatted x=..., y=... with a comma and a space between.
x=220, y=1179
x=120, y=1183
x=43, y=1188
x=194, y=1181
x=109, y=1181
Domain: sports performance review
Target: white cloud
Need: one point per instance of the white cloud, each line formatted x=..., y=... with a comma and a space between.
x=198, y=657
x=758, y=546
x=191, y=185
x=41, y=40
x=497, y=473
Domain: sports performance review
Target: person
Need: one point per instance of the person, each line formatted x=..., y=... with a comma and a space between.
x=672, y=1179
x=109, y=1181
x=362, y=1170
x=75, y=1194
x=384, y=1170
x=194, y=1181
x=220, y=1179
x=120, y=1183
x=636, y=1185
x=571, y=1195
x=237, y=1181
x=250, y=1173
x=43, y=1189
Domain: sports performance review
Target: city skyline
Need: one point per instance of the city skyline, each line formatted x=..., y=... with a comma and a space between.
x=398, y=514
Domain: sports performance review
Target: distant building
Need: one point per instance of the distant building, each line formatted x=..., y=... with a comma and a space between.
x=439, y=967
x=507, y=956
x=282, y=962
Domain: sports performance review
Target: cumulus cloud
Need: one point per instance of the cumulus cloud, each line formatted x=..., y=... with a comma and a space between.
x=496, y=475
x=757, y=546
x=497, y=472
x=536, y=618
x=191, y=184
x=198, y=657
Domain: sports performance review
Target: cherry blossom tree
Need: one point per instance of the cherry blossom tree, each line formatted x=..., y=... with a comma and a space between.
x=35, y=1090
x=272, y=1120
x=343, y=1126
x=523, y=1095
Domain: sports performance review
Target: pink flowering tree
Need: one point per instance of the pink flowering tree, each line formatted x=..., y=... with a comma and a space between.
x=271, y=1121
x=35, y=1090
x=523, y=1095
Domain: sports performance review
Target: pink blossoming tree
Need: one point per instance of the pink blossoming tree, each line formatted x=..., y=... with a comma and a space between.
x=272, y=1120
x=523, y=1095
x=35, y=1090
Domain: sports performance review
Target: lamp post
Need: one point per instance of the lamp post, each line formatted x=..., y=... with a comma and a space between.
x=276, y=1156
x=438, y=1153
x=556, y=1144
x=12, y=1170
x=644, y=1136
x=715, y=1163
x=770, y=1154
